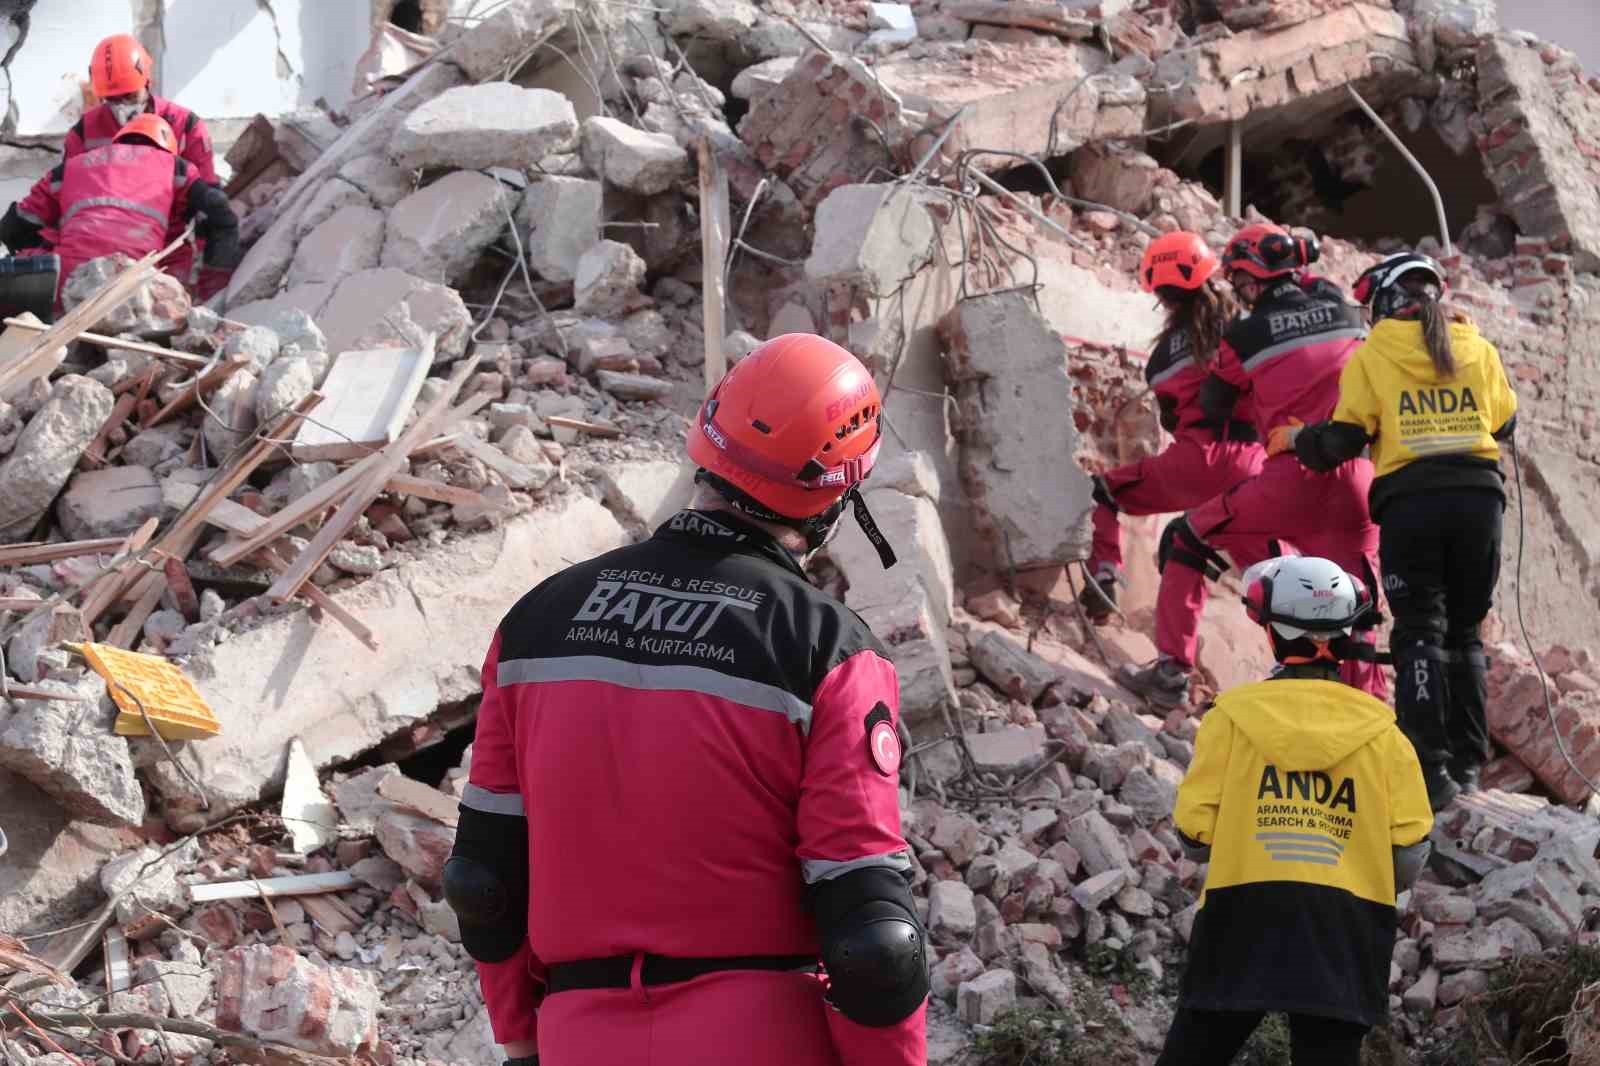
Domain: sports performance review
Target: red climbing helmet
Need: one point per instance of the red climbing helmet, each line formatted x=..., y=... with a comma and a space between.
x=1180, y=260
x=794, y=425
x=1264, y=250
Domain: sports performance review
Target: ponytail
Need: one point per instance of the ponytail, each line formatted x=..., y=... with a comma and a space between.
x=1436, y=335
x=1202, y=313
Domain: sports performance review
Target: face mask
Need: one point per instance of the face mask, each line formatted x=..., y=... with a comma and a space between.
x=125, y=112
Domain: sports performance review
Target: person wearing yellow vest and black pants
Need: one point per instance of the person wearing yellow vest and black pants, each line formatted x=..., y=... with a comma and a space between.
x=1431, y=397
x=1309, y=805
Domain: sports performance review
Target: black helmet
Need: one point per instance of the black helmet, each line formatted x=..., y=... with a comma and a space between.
x=1379, y=286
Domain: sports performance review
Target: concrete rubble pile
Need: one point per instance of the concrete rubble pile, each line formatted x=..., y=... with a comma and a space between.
x=960, y=194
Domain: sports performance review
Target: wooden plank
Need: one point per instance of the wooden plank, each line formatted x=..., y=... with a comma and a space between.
x=273, y=556
x=385, y=465
x=18, y=603
x=288, y=885
x=201, y=385
x=28, y=554
x=32, y=325
x=21, y=361
x=424, y=799
x=328, y=914
x=148, y=590
x=406, y=485
x=594, y=429
x=108, y=588
x=319, y=499
x=95, y=453
x=107, y=298
x=370, y=393
x=714, y=225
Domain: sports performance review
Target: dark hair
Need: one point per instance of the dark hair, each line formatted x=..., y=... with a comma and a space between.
x=1435, y=326
x=1202, y=313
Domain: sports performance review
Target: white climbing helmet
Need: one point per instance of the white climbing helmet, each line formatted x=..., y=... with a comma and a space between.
x=1303, y=596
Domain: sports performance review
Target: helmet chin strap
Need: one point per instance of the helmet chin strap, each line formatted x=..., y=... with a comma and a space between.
x=818, y=529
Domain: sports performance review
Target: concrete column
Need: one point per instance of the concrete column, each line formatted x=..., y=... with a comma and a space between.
x=1234, y=168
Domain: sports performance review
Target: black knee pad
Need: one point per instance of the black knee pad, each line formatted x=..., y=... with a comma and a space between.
x=872, y=944
x=486, y=883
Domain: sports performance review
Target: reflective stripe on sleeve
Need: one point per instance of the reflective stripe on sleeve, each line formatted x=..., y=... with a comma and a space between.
x=815, y=870
x=481, y=799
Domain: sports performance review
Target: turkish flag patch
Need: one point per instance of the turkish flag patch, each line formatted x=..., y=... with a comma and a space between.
x=883, y=743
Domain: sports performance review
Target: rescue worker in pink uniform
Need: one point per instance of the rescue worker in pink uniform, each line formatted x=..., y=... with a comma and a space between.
x=1208, y=453
x=127, y=196
x=684, y=779
x=120, y=71
x=1285, y=355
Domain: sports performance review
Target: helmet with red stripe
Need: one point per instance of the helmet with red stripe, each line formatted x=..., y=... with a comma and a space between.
x=1264, y=250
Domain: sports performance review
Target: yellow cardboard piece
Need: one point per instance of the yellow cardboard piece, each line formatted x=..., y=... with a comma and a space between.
x=169, y=697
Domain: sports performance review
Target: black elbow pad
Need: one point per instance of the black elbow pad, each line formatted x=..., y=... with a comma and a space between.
x=1217, y=397
x=17, y=233
x=873, y=946
x=1169, y=412
x=486, y=883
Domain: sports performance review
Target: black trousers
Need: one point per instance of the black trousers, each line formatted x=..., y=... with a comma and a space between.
x=1213, y=1038
x=1440, y=553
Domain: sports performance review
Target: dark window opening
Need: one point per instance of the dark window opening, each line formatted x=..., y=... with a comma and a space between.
x=407, y=14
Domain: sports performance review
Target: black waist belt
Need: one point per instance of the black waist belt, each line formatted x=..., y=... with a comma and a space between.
x=616, y=971
x=1226, y=429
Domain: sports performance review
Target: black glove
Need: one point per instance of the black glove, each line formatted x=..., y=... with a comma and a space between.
x=1169, y=412
x=17, y=233
x=218, y=227
x=1217, y=397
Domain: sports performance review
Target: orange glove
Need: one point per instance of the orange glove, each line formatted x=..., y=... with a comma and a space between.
x=1281, y=438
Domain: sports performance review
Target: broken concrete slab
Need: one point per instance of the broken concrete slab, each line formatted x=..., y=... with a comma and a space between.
x=147, y=880
x=561, y=219
x=261, y=272
x=496, y=124
x=307, y=813
x=606, y=279
x=291, y=677
x=638, y=387
x=1012, y=750
x=1009, y=370
x=368, y=397
x=915, y=637
x=983, y=999
x=108, y=503
x=378, y=178
x=335, y=193
x=919, y=542
x=357, y=796
x=951, y=911
x=348, y=240
x=875, y=236
x=438, y=232
x=632, y=159
x=232, y=415
x=282, y=385
x=365, y=309
x=47, y=451
x=419, y=844
x=68, y=750
x=647, y=493
x=514, y=30
x=765, y=76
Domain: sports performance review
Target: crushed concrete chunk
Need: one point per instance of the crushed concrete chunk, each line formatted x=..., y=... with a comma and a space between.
x=560, y=218
x=1010, y=667
x=951, y=912
x=112, y=502
x=876, y=236
x=157, y=308
x=496, y=124
x=513, y=29
x=69, y=751
x=48, y=450
x=632, y=159
x=366, y=307
x=275, y=994
x=348, y=240
x=438, y=232
x=607, y=279
x=982, y=999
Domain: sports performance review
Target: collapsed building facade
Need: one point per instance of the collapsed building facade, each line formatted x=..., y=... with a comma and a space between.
x=505, y=262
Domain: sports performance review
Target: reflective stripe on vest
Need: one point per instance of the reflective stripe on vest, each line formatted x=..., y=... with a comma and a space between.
x=113, y=201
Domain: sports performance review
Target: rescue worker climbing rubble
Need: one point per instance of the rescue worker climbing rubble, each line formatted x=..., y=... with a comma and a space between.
x=1431, y=397
x=1208, y=453
x=1308, y=803
x=684, y=778
x=1285, y=354
x=119, y=72
x=129, y=196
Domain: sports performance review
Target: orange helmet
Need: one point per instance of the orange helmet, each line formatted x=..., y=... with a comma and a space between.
x=152, y=127
x=1180, y=260
x=1264, y=250
x=793, y=426
x=119, y=66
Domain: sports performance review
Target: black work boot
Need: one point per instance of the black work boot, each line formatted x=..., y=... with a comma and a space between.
x=1099, y=597
x=1466, y=775
x=1442, y=788
x=1165, y=682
